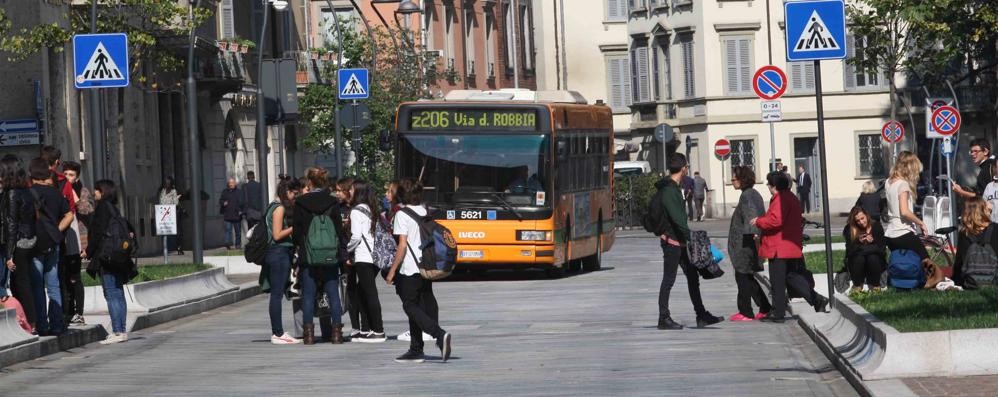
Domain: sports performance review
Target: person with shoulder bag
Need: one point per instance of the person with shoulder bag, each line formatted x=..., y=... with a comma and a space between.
x=279, y=255
x=365, y=224
x=111, y=240
x=416, y=292
x=743, y=246
x=20, y=214
x=667, y=220
x=321, y=243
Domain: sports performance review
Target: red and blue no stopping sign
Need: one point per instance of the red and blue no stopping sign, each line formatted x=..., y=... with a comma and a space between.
x=892, y=131
x=769, y=82
x=946, y=120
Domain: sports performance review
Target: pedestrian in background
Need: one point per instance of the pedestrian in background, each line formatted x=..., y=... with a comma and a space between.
x=280, y=254
x=112, y=277
x=314, y=277
x=991, y=193
x=253, y=200
x=782, y=229
x=364, y=218
x=54, y=218
x=804, y=188
x=71, y=264
x=743, y=246
x=168, y=195
x=700, y=190
x=980, y=152
x=416, y=293
x=902, y=224
x=687, y=186
x=673, y=238
x=231, y=206
x=21, y=218
x=870, y=201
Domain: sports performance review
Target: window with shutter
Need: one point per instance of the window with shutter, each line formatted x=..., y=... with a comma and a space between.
x=855, y=76
x=641, y=83
x=508, y=28
x=616, y=10
x=655, y=80
x=738, y=65
x=801, y=76
x=619, y=83
x=689, y=77
x=743, y=153
x=227, y=20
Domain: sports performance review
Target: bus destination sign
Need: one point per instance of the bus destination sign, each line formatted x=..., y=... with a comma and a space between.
x=473, y=119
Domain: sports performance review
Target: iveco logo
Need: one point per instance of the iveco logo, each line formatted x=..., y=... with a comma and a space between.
x=471, y=235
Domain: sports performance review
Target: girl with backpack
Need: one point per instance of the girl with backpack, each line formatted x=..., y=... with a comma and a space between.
x=19, y=212
x=280, y=253
x=364, y=220
x=418, y=301
x=113, y=278
x=976, y=245
x=321, y=243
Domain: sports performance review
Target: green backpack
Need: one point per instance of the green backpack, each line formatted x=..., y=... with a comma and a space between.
x=322, y=244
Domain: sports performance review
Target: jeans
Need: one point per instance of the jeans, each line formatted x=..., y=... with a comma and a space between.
x=420, y=306
x=326, y=278
x=4, y=271
x=366, y=299
x=45, y=279
x=699, y=205
x=72, y=285
x=781, y=279
x=233, y=233
x=278, y=259
x=114, y=294
x=749, y=290
x=673, y=258
x=866, y=268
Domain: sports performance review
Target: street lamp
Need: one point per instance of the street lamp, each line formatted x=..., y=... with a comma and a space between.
x=261, y=120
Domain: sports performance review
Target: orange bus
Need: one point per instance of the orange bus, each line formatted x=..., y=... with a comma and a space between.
x=521, y=178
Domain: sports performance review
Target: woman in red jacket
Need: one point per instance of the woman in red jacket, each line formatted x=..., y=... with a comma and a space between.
x=782, y=230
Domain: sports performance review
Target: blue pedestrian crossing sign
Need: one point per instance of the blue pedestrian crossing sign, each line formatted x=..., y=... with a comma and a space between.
x=816, y=30
x=100, y=60
x=353, y=84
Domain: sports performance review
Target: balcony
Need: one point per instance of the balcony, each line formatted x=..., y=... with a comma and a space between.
x=470, y=69
x=310, y=66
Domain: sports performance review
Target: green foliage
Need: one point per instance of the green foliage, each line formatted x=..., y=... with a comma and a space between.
x=632, y=194
x=148, y=23
x=815, y=261
x=925, y=311
x=885, y=24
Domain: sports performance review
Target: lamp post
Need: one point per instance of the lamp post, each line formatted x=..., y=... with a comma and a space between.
x=261, y=118
x=195, y=155
x=96, y=116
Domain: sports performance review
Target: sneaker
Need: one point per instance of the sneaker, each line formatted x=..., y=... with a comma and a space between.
x=769, y=318
x=708, y=319
x=405, y=336
x=410, y=357
x=370, y=337
x=444, y=344
x=114, y=338
x=285, y=339
x=760, y=315
x=78, y=320
x=668, y=324
x=820, y=304
x=356, y=333
x=738, y=317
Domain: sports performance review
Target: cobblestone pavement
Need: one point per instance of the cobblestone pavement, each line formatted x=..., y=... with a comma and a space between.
x=965, y=386
x=515, y=333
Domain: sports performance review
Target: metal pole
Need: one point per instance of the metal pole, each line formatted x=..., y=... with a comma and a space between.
x=261, y=117
x=96, y=116
x=336, y=104
x=724, y=195
x=772, y=147
x=824, y=183
x=197, y=249
x=949, y=164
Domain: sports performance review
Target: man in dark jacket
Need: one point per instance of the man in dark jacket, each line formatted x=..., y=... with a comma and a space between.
x=980, y=151
x=673, y=240
x=254, y=200
x=231, y=206
x=804, y=189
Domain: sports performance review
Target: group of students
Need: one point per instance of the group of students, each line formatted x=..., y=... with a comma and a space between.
x=756, y=233
x=50, y=223
x=298, y=214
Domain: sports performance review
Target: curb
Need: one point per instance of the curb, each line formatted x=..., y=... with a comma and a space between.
x=46, y=345
x=177, y=312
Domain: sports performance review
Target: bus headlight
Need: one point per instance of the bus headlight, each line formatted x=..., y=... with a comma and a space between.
x=533, y=235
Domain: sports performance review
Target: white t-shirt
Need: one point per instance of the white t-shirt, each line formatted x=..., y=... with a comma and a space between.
x=991, y=195
x=360, y=225
x=897, y=227
x=405, y=225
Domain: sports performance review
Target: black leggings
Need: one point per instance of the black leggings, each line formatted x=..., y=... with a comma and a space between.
x=366, y=299
x=72, y=286
x=20, y=283
x=866, y=268
x=749, y=290
x=908, y=241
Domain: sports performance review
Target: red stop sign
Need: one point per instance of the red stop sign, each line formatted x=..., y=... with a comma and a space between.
x=722, y=148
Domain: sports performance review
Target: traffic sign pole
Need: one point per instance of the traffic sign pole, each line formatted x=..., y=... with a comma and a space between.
x=826, y=214
x=722, y=149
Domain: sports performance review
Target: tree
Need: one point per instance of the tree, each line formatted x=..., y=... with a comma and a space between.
x=151, y=25
x=396, y=78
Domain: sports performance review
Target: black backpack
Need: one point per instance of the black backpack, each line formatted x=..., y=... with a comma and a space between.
x=981, y=262
x=118, y=245
x=437, y=245
x=255, y=250
x=655, y=220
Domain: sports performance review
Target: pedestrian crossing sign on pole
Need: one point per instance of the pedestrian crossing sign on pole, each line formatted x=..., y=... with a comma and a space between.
x=353, y=84
x=816, y=30
x=100, y=60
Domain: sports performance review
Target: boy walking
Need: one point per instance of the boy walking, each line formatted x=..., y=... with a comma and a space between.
x=416, y=292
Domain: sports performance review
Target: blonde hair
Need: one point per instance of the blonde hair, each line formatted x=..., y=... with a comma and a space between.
x=869, y=187
x=908, y=168
x=976, y=216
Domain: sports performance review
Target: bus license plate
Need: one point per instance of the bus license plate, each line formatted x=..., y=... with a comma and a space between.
x=472, y=254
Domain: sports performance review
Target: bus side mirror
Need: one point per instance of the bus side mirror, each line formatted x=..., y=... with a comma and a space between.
x=385, y=140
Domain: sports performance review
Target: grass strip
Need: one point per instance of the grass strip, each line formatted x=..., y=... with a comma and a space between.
x=155, y=272
x=930, y=310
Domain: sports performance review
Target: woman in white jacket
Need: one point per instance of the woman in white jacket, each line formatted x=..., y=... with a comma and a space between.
x=363, y=220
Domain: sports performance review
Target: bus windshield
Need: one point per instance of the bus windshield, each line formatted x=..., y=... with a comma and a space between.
x=502, y=170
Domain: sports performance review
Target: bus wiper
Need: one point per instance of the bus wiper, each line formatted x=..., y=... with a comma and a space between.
x=507, y=206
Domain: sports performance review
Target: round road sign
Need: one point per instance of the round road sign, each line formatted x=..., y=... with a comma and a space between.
x=722, y=148
x=946, y=120
x=769, y=82
x=892, y=131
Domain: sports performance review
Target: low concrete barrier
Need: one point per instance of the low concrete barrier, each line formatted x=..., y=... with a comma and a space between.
x=163, y=294
x=11, y=334
x=233, y=264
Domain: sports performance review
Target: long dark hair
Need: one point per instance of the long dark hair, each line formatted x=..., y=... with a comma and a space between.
x=363, y=194
x=108, y=192
x=283, y=188
x=12, y=175
x=167, y=184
